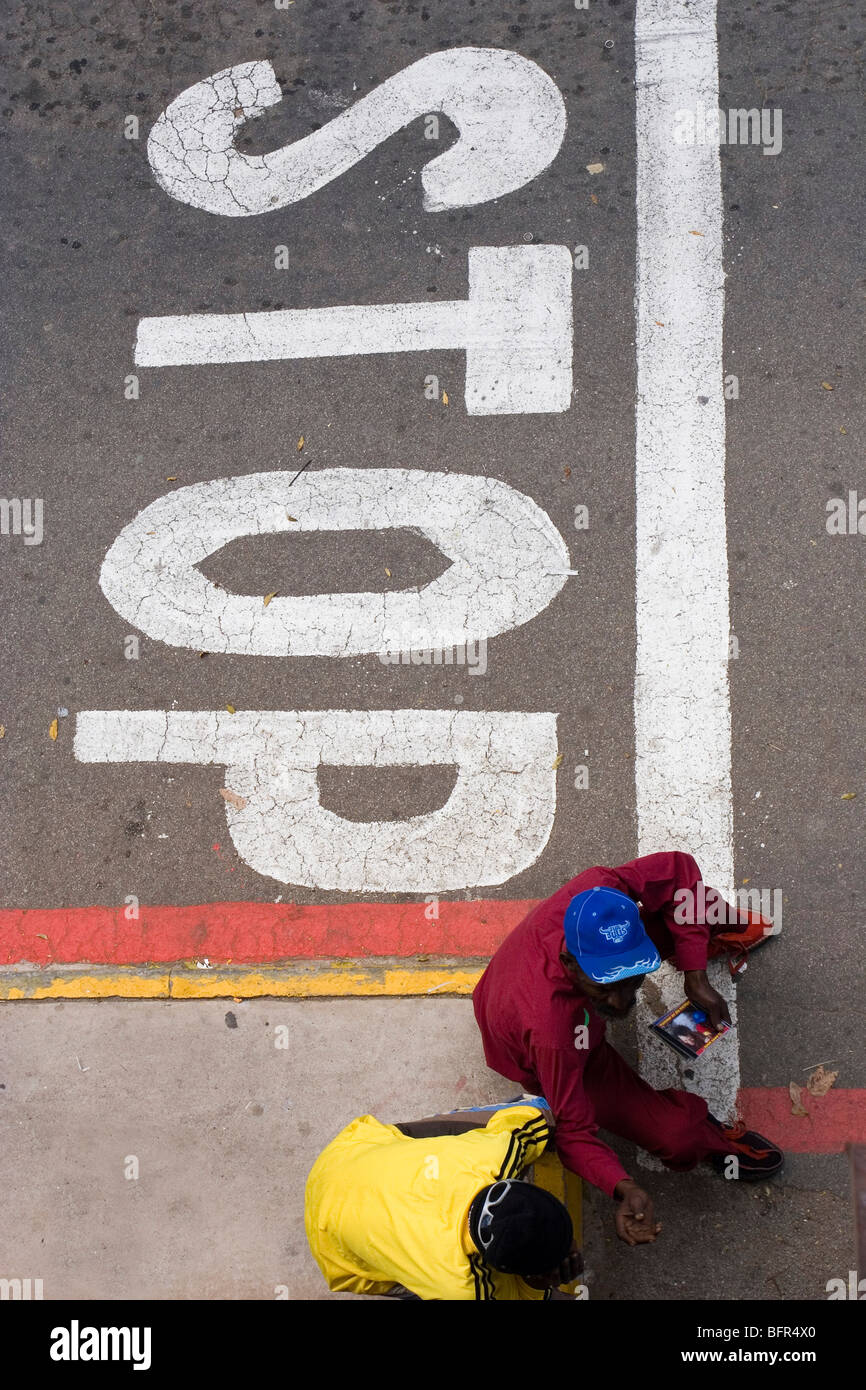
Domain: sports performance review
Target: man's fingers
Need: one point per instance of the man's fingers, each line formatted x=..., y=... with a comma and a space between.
x=622, y=1228
x=719, y=1015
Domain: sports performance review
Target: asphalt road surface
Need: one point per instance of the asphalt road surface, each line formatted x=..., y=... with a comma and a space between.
x=523, y=452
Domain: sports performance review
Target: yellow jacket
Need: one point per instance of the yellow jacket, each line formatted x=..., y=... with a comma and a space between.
x=383, y=1209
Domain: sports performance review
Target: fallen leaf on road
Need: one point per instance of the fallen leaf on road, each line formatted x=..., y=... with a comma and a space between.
x=594, y=168
x=567, y=473
x=795, y=1092
x=52, y=729
x=42, y=936
x=388, y=572
x=2, y=730
x=172, y=478
x=658, y=323
x=300, y=443
x=444, y=397
x=691, y=233
x=821, y=1081
x=233, y=798
x=826, y=385
x=557, y=760
x=291, y=518
x=592, y=198
x=848, y=796
x=268, y=597
x=231, y=709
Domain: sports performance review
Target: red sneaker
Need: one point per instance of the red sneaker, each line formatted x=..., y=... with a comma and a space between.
x=736, y=941
x=756, y=1156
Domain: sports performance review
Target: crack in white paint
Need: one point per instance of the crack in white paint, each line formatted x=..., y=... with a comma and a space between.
x=501, y=544
x=509, y=114
x=682, y=698
x=494, y=824
x=515, y=327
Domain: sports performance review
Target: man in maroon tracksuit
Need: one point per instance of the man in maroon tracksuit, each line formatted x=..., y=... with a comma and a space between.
x=579, y=957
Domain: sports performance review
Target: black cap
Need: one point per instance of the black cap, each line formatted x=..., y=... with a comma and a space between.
x=530, y=1231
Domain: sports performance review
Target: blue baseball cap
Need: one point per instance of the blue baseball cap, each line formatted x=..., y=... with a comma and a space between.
x=604, y=933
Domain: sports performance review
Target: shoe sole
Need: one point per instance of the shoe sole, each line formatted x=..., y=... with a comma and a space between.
x=746, y=1174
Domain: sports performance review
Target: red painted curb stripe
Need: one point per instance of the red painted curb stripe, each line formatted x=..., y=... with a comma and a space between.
x=834, y=1120
x=256, y=933
x=259, y=933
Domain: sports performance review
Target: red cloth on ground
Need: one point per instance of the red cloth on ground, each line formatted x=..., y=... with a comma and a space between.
x=528, y=1011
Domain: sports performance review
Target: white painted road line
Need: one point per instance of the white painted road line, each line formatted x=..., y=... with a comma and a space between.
x=682, y=700
x=509, y=114
x=502, y=547
x=494, y=824
x=516, y=328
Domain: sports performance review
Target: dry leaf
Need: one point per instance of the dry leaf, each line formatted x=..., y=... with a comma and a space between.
x=172, y=478
x=826, y=385
x=291, y=518
x=592, y=198
x=388, y=572
x=300, y=443
x=2, y=730
x=52, y=729
x=658, y=323
x=444, y=397
x=557, y=760
x=691, y=233
x=268, y=597
x=231, y=709
x=594, y=168
x=848, y=796
x=566, y=473
x=795, y=1092
x=821, y=1081
x=233, y=798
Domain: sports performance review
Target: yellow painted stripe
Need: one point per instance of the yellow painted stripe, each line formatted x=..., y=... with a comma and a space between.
x=297, y=980
x=549, y=1173
x=77, y=986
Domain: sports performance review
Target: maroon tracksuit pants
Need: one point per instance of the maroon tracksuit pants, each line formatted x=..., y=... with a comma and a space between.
x=671, y=1124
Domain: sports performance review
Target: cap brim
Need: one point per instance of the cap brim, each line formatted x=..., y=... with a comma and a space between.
x=606, y=970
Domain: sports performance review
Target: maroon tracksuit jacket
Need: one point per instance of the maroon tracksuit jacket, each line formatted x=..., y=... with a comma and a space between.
x=527, y=1008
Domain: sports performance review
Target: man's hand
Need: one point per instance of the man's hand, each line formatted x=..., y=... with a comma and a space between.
x=571, y=1266
x=565, y=1273
x=700, y=992
x=635, y=1219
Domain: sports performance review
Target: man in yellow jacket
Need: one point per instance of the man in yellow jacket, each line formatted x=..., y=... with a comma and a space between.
x=436, y=1208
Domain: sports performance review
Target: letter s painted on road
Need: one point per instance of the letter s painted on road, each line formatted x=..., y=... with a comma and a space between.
x=510, y=116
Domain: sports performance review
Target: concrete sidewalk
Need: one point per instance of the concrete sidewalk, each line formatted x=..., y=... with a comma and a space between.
x=225, y=1125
